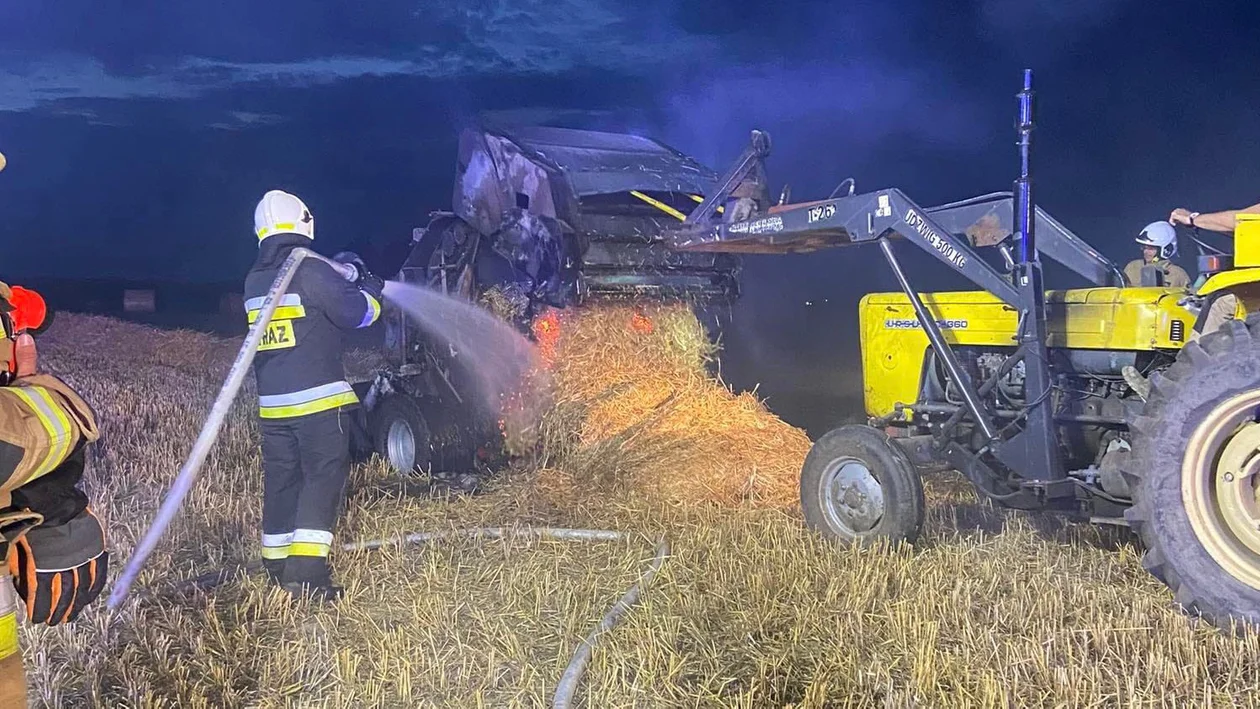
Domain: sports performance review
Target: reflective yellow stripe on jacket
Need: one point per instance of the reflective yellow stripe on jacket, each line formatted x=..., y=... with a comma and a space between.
x=55, y=424
x=8, y=617
x=307, y=402
x=289, y=308
x=373, y=312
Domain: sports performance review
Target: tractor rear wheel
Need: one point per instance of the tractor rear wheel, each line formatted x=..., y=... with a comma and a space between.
x=858, y=485
x=1195, y=470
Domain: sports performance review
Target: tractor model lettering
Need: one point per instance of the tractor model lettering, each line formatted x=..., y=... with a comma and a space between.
x=821, y=212
x=758, y=226
x=936, y=241
x=912, y=323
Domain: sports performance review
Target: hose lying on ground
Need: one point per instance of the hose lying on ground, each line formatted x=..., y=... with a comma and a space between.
x=568, y=683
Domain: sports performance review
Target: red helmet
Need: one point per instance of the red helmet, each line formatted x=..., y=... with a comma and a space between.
x=22, y=313
x=29, y=312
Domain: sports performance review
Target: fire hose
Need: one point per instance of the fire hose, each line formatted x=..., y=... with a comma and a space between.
x=171, y=505
x=568, y=684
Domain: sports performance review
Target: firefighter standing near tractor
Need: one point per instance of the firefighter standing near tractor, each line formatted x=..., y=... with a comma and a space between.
x=54, y=547
x=303, y=394
x=1159, y=246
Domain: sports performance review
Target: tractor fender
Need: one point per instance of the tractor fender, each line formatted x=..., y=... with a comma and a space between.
x=1233, y=279
x=1243, y=283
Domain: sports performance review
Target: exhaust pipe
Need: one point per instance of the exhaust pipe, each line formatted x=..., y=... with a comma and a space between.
x=210, y=430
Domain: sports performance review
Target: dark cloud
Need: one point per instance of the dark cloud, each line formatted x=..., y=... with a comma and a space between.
x=137, y=37
x=179, y=51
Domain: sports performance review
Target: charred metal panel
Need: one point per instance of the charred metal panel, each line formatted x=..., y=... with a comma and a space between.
x=606, y=227
x=605, y=163
x=657, y=256
x=599, y=283
x=492, y=177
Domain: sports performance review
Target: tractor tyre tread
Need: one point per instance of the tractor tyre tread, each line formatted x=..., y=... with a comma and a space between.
x=1220, y=365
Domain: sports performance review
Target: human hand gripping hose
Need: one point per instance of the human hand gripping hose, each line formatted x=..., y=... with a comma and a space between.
x=568, y=683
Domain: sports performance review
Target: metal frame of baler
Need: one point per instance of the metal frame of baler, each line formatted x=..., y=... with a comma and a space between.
x=1032, y=452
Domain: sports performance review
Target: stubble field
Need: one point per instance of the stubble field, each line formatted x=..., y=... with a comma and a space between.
x=750, y=610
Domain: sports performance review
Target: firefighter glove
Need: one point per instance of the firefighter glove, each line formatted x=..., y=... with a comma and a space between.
x=371, y=284
x=350, y=258
x=59, y=570
x=366, y=281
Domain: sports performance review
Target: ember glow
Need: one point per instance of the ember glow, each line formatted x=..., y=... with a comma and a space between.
x=641, y=324
x=546, y=329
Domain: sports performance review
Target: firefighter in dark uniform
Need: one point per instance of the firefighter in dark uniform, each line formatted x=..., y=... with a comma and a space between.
x=303, y=395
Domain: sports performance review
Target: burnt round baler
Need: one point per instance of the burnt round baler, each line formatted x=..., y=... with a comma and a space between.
x=544, y=217
x=566, y=216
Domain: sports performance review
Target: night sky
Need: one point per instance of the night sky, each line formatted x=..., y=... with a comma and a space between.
x=141, y=134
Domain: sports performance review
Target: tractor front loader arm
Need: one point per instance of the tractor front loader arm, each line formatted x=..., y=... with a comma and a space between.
x=748, y=164
x=989, y=219
x=872, y=217
x=845, y=221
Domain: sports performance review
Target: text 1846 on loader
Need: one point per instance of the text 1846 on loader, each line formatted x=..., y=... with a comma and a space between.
x=1021, y=388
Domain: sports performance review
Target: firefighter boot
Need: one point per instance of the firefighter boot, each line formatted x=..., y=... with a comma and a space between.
x=1140, y=384
x=324, y=594
x=310, y=577
x=275, y=571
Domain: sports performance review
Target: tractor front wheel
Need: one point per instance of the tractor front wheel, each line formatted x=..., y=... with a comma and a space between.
x=858, y=485
x=1195, y=473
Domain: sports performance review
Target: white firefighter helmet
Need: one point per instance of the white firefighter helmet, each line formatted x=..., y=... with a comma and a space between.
x=1162, y=236
x=279, y=212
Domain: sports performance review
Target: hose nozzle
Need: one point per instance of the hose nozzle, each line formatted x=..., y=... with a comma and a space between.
x=348, y=271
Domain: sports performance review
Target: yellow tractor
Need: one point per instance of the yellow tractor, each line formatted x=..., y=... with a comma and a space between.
x=1024, y=390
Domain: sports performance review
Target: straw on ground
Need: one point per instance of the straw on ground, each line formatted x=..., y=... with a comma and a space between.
x=993, y=609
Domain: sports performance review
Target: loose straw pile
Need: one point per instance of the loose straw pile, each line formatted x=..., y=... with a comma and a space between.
x=631, y=401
